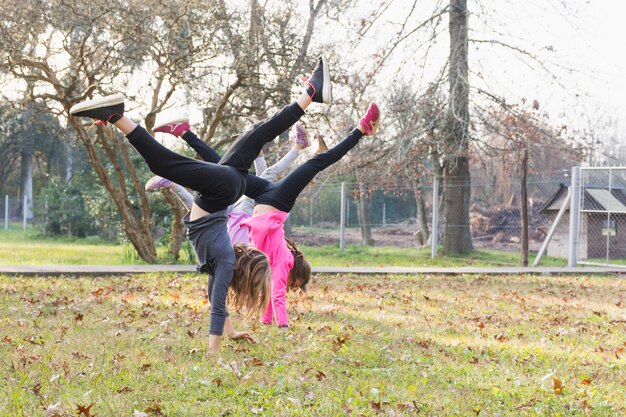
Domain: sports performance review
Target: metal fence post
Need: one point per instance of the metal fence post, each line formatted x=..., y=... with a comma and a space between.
x=6, y=212
x=434, y=233
x=384, y=213
x=25, y=207
x=574, y=217
x=342, y=218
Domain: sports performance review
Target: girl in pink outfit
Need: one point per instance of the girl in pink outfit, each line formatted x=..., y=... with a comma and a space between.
x=274, y=200
x=268, y=236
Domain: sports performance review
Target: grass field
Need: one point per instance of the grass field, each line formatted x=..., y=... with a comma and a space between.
x=357, y=345
x=20, y=248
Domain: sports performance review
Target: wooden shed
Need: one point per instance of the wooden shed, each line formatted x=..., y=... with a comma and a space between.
x=598, y=230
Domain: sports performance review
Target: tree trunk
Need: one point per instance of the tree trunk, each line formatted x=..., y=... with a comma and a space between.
x=421, y=212
x=136, y=228
x=178, y=234
x=524, y=208
x=457, y=237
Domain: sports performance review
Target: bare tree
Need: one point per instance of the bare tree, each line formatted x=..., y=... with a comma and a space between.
x=87, y=51
x=520, y=133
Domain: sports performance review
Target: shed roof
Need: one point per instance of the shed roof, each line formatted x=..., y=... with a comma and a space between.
x=595, y=198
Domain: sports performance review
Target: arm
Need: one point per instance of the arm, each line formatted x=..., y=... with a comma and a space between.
x=205, y=151
x=243, y=205
x=218, y=290
x=235, y=335
x=214, y=340
x=260, y=166
x=285, y=162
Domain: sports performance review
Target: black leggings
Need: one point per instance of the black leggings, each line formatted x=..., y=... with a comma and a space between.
x=218, y=184
x=283, y=193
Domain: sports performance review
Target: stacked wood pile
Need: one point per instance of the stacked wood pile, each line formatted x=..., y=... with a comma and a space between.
x=503, y=224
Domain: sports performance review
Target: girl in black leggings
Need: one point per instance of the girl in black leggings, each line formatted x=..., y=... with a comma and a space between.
x=274, y=200
x=217, y=186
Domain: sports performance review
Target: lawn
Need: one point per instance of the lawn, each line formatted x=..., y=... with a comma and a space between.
x=30, y=248
x=357, y=345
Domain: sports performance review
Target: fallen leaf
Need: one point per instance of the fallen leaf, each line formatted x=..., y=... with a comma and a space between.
x=340, y=341
x=500, y=338
x=256, y=361
x=586, y=381
x=155, y=410
x=320, y=376
x=586, y=408
x=557, y=385
x=217, y=381
x=84, y=410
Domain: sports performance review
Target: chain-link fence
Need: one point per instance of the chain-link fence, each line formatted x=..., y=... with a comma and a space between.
x=600, y=223
x=401, y=215
x=573, y=225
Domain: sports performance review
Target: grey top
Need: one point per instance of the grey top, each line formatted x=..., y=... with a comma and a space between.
x=209, y=237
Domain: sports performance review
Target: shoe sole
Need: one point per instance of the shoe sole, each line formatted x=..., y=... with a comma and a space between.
x=326, y=90
x=321, y=146
x=375, y=127
x=97, y=103
x=171, y=122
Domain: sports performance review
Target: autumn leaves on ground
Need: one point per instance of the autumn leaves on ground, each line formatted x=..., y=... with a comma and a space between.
x=358, y=345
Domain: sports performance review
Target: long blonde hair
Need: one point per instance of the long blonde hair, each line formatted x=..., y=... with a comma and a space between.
x=252, y=280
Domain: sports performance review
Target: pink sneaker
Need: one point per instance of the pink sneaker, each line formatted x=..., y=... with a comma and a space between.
x=156, y=183
x=301, y=135
x=369, y=122
x=173, y=127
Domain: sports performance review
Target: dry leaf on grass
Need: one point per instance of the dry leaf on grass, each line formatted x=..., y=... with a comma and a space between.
x=85, y=410
x=557, y=385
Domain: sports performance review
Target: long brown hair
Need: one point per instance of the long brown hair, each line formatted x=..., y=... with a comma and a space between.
x=301, y=270
x=252, y=280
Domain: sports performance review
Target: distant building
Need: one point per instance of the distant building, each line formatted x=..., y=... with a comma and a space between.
x=597, y=230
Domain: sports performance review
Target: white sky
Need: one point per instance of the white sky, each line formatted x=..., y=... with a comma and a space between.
x=580, y=42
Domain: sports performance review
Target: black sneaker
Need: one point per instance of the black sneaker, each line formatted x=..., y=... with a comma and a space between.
x=318, y=84
x=107, y=109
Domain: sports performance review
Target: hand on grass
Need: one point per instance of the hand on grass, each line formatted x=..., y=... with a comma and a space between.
x=245, y=336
